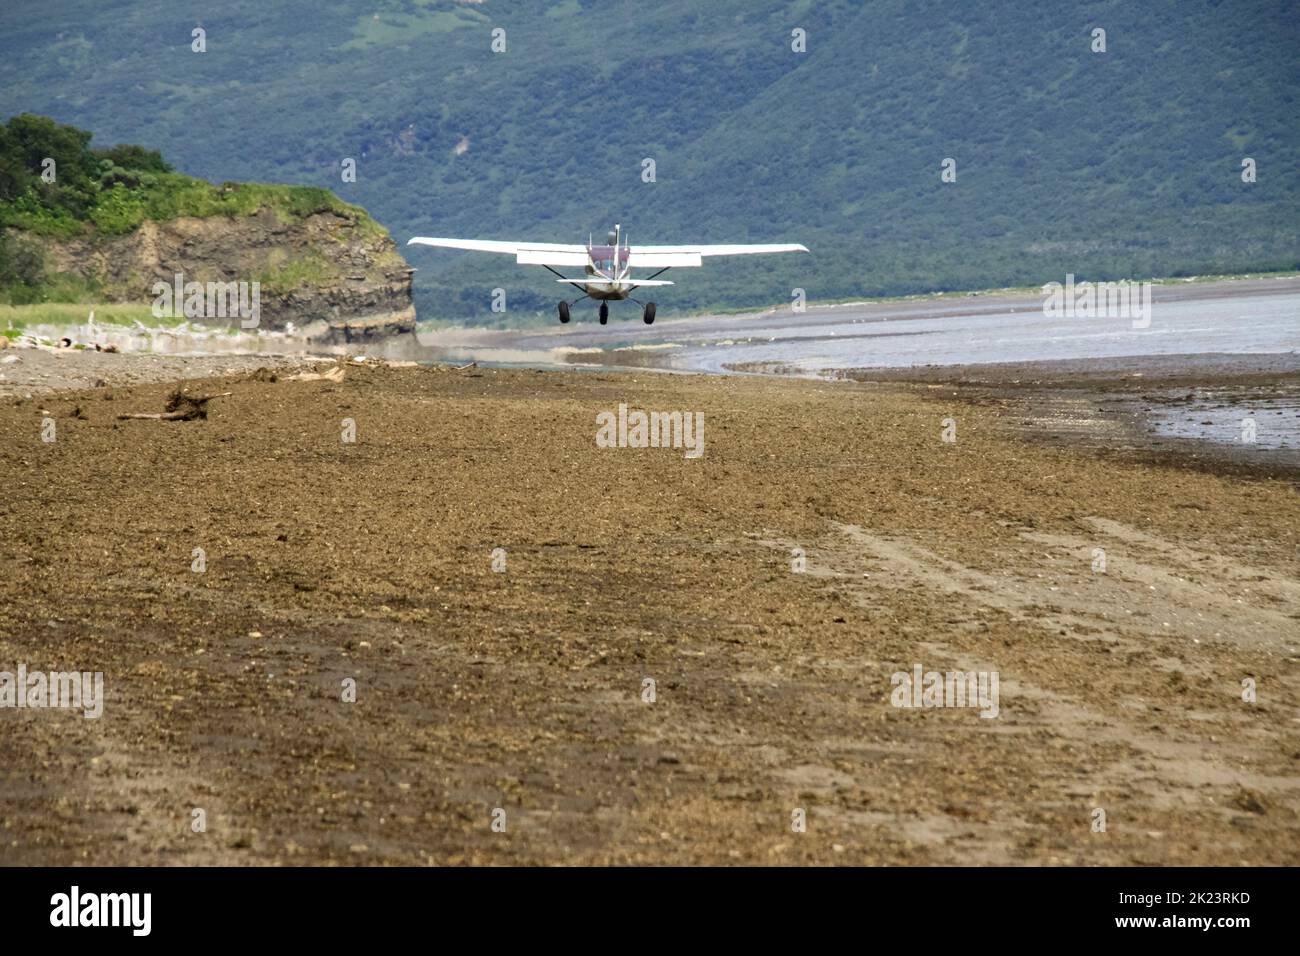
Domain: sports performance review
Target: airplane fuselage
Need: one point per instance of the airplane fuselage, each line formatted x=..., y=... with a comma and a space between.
x=610, y=265
x=608, y=293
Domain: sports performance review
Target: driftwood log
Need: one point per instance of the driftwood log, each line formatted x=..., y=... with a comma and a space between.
x=180, y=408
x=333, y=375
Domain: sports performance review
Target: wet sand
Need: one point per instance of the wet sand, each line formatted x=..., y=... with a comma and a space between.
x=1237, y=412
x=525, y=690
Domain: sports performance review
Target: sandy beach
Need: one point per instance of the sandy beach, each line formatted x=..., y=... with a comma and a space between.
x=673, y=655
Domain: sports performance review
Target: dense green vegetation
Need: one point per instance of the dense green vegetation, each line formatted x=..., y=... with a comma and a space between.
x=1108, y=165
x=53, y=184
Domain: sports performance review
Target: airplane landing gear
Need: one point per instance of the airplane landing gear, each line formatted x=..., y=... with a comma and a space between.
x=604, y=312
x=648, y=316
x=564, y=312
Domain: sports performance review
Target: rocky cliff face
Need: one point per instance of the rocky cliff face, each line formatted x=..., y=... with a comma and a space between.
x=336, y=276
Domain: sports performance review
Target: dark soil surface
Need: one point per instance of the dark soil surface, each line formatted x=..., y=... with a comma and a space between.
x=526, y=690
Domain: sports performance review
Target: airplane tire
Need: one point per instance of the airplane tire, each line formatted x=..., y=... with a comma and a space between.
x=649, y=315
x=604, y=312
x=564, y=312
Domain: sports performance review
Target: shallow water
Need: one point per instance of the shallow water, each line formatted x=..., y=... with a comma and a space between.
x=1262, y=422
x=807, y=344
x=1241, y=317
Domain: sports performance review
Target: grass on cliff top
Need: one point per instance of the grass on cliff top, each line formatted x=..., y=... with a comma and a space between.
x=180, y=195
x=54, y=186
x=122, y=209
x=52, y=183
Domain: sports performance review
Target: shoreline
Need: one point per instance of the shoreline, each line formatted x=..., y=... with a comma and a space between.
x=1175, y=407
x=1181, y=406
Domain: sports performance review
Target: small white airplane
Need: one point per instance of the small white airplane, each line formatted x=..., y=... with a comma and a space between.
x=608, y=267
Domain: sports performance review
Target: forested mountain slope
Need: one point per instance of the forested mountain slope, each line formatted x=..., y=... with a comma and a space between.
x=1125, y=163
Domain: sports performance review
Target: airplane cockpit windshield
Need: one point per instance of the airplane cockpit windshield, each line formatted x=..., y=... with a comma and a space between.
x=602, y=258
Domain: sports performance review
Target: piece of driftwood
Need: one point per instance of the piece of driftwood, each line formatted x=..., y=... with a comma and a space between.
x=180, y=408
x=333, y=375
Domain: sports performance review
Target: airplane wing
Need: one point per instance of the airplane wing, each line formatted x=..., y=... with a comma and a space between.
x=525, y=253
x=726, y=250
x=639, y=257
x=676, y=257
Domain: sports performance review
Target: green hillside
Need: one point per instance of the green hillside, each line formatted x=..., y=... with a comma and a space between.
x=1118, y=164
x=54, y=186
